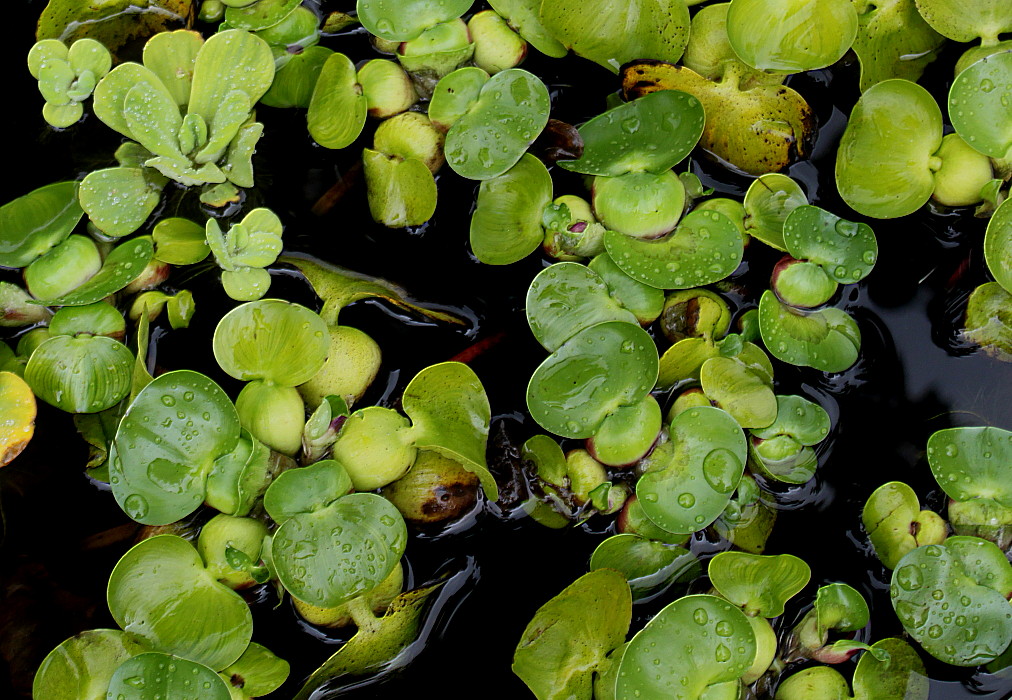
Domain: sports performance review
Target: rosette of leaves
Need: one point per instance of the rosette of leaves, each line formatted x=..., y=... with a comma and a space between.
x=952, y=599
x=783, y=450
x=896, y=524
x=447, y=412
x=180, y=444
x=489, y=121
x=752, y=121
x=274, y=346
x=244, y=251
x=971, y=465
x=893, y=157
x=890, y=669
x=838, y=609
x=218, y=81
x=67, y=77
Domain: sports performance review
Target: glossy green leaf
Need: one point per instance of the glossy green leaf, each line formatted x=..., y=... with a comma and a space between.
x=100, y=318
x=450, y=414
x=598, y=370
x=402, y=191
x=699, y=640
x=455, y=94
x=123, y=265
x=971, y=578
x=294, y=83
x=792, y=36
x=741, y=387
x=895, y=523
x=768, y=202
x=644, y=301
x=63, y=269
x=179, y=241
x=338, y=109
x=761, y=585
x=523, y=17
x=570, y=636
x=154, y=675
x=238, y=479
x=965, y=22
x=611, y=33
x=803, y=420
x=684, y=360
x=998, y=245
x=166, y=446
x=82, y=667
x=894, y=41
x=404, y=20
x=971, y=463
x=229, y=61
x=628, y=433
x=989, y=320
x=112, y=90
x=171, y=56
x=980, y=103
x=80, y=375
x=648, y=565
x=18, y=405
x=506, y=225
x=323, y=557
x=260, y=14
x=119, y=200
x=828, y=339
x=114, y=23
x=258, y=671
x=567, y=297
x=902, y=675
x=705, y=442
x=33, y=223
x=511, y=110
x=160, y=592
x=884, y=164
x=306, y=490
x=847, y=251
x=639, y=204
x=271, y=340
x=704, y=248
x=653, y=133
x=376, y=446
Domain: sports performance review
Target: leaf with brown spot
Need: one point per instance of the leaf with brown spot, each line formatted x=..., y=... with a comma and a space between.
x=17, y=406
x=112, y=22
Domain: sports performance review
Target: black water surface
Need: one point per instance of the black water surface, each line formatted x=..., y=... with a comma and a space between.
x=61, y=534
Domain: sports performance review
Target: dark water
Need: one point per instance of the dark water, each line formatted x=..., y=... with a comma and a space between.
x=61, y=535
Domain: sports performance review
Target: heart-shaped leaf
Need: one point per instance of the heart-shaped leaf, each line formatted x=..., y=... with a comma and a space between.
x=598, y=370
x=80, y=375
x=649, y=566
x=160, y=592
x=156, y=675
x=705, y=442
x=570, y=635
x=335, y=553
x=704, y=248
x=455, y=94
x=119, y=200
x=768, y=202
x=82, y=667
x=951, y=598
x=306, y=490
x=259, y=670
x=847, y=251
x=271, y=340
x=639, y=204
x=338, y=109
x=33, y=223
x=628, y=433
x=166, y=446
x=122, y=266
x=403, y=20
x=895, y=523
x=901, y=675
x=828, y=339
x=644, y=301
x=511, y=110
x=972, y=463
x=699, y=641
x=506, y=224
x=761, y=585
x=980, y=103
x=650, y=134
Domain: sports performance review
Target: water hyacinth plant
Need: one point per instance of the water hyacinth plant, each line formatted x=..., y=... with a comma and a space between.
x=696, y=392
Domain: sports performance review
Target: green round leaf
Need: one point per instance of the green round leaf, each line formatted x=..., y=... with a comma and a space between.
x=511, y=110
x=82, y=667
x=761, y=585
x=598, y=370
x=260, y=670
x=638, y=204
x=653, y=133
x=791, y=36
x=160, y=592
x=847, y=251
x=33, y=223
x=455, y=94
x=883, y=165
x=121, y=267
x=306, y=490
x=523, y=16
x=894, y=41
x=705, y=442
x=403, y=20
x=154, y=675
x=260, y=14
x=648, y=565
x=567, y=297
x=628, y=433
x=402, y=191
x=803, y=420
x=166, y=446
x=902, y=675
x=895, y=523
x=18, y=405
x=998, y=245
x=980, y=104
x=644, y=301
x=179, y=241
x=970, y=578
x=80, y=375
x=768, y=202
x=271, y=340
x=704, y=248
x=967, y=21
x=741, y=389
x=828, y=339
x=331, y=555
x=570, y=635
x=338, y=109
x=989, y=320
x=699, y=641
x=611, y=33
x=506, y=225
x=119, y=200
x=971, y=463
x=294, y=84
x=100, y=318
x=376, y=446
x=64, y=268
